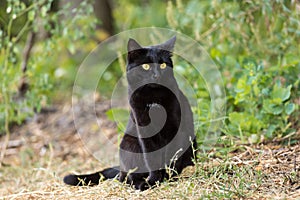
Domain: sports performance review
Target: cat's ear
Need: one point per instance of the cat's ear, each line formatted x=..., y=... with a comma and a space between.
x=133, y=45
x=168, y=45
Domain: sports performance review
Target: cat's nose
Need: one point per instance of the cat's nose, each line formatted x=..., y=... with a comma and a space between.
x=155, y=76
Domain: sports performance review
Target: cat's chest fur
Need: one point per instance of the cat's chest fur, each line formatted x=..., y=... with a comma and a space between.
x=157, y=103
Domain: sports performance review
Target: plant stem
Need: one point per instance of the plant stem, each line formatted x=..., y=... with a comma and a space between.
x=24, y=28
x=8, y=47
x=30, y=7
x=7, y=131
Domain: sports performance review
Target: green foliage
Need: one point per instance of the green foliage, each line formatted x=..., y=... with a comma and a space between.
x=202, y=109
x=50, y=61
x=135, y=14
x=259, y=105
x=266, y=30
x=120, y=116
x=12, y=108
x=255, y=43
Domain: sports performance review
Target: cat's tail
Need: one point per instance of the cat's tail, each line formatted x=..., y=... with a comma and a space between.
x=91, y=179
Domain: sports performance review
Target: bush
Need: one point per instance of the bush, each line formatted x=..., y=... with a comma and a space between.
x=50, y=61
x=256, y=46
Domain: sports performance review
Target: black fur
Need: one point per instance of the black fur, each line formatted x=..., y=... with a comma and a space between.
x=160, y=128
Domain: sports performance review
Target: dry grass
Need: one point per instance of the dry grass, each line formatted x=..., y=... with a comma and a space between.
x=270, y=174
x=45, y=149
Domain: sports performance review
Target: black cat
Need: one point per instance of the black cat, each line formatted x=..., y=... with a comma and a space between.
x=159, y=138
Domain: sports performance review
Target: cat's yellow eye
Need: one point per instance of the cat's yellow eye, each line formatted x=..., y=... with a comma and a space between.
x=146, y=66
x=163, y=65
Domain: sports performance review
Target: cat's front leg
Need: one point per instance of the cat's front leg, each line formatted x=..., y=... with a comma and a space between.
x=122, y=176
x=154, y=178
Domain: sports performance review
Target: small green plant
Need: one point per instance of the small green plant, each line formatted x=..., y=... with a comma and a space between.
x=259, y=105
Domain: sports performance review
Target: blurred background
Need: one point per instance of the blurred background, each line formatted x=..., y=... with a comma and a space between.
x=254, y=43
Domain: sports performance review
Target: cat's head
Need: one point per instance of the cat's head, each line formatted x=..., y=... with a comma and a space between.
x=150, y=64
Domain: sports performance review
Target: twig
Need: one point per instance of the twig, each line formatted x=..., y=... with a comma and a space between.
x=13, y=143
x=23, y=86
x=5, y=144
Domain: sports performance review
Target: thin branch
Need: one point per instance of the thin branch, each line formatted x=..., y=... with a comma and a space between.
x=23, y=86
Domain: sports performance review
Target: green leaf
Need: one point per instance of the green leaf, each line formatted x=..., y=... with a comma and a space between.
x=265, y=91
x=44, y=11
x=31, y=15
x=118, y=115
x=245, y=122
x=251, y=80
x=272, y=106
x=291, y=59
x=270, y=131
x=281, y=93
x=259, y=67
x=289, y=108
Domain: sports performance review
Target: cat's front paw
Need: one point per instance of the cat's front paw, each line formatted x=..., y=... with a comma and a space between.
x=122, y=176
x=149, y=183
x=143, y=186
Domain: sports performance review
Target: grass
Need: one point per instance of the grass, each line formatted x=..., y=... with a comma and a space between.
x=237, y=177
